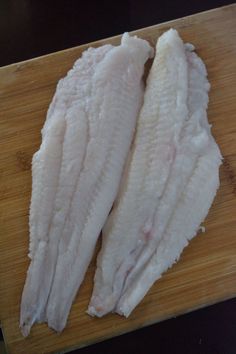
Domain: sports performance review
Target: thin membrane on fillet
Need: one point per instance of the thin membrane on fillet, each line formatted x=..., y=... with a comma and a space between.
x=160, y=124
x=117, y=94
x=55, y=171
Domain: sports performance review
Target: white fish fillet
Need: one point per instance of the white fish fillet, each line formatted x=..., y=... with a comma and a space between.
x=55, y=170
x=172, y=146
x=116, y=97
x=77, y=170
x=193, y=142
x=191, y=209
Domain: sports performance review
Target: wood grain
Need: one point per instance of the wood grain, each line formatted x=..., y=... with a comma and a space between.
x=206, y=272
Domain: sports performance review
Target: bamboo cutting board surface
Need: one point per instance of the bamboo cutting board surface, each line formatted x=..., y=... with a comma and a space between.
x=206, y=272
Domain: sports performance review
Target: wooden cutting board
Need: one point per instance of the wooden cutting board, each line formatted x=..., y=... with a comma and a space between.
x=206, y=272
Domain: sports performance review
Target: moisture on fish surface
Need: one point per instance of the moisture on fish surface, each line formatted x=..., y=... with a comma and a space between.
x=169, y=182
x=76, y=173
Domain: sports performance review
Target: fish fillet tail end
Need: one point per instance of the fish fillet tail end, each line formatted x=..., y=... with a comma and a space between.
x=25, y=328
x=137, y=43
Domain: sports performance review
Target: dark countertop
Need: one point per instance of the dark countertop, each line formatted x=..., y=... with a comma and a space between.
x=30, y=28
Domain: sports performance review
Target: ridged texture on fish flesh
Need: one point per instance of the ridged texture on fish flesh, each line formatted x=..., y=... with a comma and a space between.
x=55, y=168
x=76, y=173
x=162, y=200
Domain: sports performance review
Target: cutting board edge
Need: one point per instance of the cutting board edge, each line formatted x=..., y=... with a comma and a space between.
x=126, y=331
x=74, y=51
x=116, y=37
x=146, y=324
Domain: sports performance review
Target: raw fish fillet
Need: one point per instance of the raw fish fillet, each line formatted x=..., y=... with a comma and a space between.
x=76, y=173
x=55, y=168
x=168, y=186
